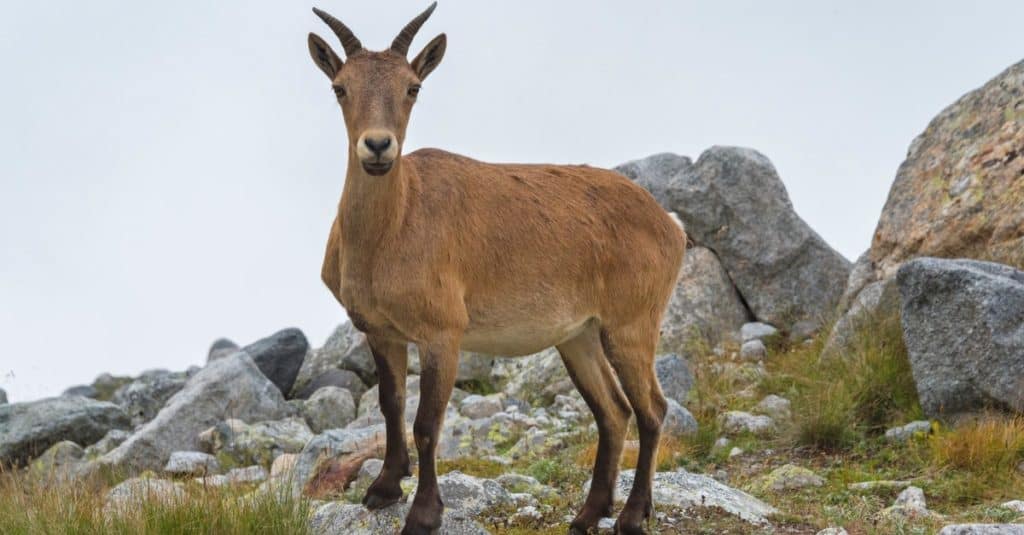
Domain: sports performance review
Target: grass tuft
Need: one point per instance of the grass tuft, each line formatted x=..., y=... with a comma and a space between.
x=991, y=445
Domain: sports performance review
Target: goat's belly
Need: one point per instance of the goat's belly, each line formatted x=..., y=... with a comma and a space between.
x=519, y=340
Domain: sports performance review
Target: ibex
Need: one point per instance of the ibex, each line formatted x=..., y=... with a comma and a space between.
x=450, y=253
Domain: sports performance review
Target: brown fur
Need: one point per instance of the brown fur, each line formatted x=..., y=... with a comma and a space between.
x=451, y=253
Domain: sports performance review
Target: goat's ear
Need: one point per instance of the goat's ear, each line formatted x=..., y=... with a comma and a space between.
x=430, y=57
x=323, y=56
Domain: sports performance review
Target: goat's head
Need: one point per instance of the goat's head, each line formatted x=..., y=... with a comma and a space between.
x=376, y=90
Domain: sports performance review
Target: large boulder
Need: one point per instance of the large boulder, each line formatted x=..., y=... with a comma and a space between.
x=280, y=356
x=232, y=387
x=143, y=398
x=959, y=192
x=28, y=429
x=873, y=303
x=243, y=444
x=330, y=407
x=704, y=306
x=354, y=519
x=345, y=349
x=963, y=323
x=733, y=202
x=346, y=379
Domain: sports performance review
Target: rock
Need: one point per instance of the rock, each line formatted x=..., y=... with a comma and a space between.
x=704, y=307
x=788, y=477
x=961, y=324
x=958, y=193
x=85, y=391
x=833, y=531
x=111, y=440
x=733, y=202
x=335, y=444
x=259, y=443
x=912, y=497
x=130, y=495
x=369, y=405
x=354, y=519
x=143, y=398
x=30, y=428
x=753, y=351
x=535, y=372
x=236, y=476
x=330, y=407
x=757, y=331
x=280, y=356
x=735, y=452
x=983, y=529
x=3, y=397
x=469, y=495
x=519, y=483
x=685, y=490
x=908, y=431
x=106, y=385
x=678, y=421
x=606, y=525
x=909, y=504
x=476, y=406
x=283, y=465
x=1014, y=505
x=221, y=348
x=341, y=378
x=229, y=387
x=735, y=422
x=875, y=300
x=880, y=484
x=371, y=469
x=861, y=274
x=778, y=408
x=675, y=376
x=473, y=367
x=60, y=462
x=191, y=463
x=345, y=349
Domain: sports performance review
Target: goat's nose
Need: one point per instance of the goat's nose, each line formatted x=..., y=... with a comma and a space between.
x=377, y=145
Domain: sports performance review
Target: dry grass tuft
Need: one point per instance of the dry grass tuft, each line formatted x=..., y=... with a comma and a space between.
x=990, y=445
x=670, y=451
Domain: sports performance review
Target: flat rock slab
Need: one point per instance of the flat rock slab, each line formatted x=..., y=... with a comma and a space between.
x=353, y=519
x=28, y=429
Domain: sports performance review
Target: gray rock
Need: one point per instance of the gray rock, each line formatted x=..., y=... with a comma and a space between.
x=756, y=330
x=229, y=387
x=908, y=505
x=330, y=407
x=346, y=379
x=962, y=326
x=788, y=477
x=3, y=397
x=778, y=408
x=476, y=406
x=236, y=476
x=345, y=349
x=221, y=348
x=330, y=443
x=354, y=519
x=106, y=385
x=906, y=432
x=833, y=531
x=131, y=494
x=733, y=202
x=111, y=440
x=370, y=469
x=983, y=529
x=753, y=351
x=1014, y=505
x=85, y=391
x=143, y=398
x=735, y=422
x=191, y=463
x=876, y=298
x=675, y=376
x=862, y=273
x=259, y=443
x=470, y=495
x=685, y=490
x=280, y=356
x=59, y=463
x=284, y=465
x=704, y=307
x=30, y=428
x=369, y=413
x=879, y=484
x=912, y=497
x=678, y=421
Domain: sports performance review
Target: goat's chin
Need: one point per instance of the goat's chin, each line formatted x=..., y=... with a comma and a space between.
x=377, y=168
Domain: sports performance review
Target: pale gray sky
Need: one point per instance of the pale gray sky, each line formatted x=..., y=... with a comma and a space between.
x=168, y=170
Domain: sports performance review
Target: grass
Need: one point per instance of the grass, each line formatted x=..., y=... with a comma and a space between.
x=989, y=446
x=33, y=505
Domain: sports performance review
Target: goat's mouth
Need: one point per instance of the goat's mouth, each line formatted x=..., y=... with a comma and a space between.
x=377, y=168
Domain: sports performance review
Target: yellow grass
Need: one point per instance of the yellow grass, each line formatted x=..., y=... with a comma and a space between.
x=992, y=444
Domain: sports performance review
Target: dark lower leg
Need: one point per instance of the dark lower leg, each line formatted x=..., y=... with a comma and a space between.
x=390, y=358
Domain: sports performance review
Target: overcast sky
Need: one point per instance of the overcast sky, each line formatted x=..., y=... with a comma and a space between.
x=170, y=169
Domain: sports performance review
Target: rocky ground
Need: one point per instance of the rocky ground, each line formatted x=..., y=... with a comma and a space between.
x=806, y=394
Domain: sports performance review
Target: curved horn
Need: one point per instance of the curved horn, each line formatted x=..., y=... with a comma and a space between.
x=404, y=39
x=349, y=41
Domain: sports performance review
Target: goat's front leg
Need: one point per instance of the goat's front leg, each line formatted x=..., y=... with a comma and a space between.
x=391, y=359
x=439, y=363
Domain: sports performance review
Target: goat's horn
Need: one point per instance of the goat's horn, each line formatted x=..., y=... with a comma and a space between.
x=349, y=41
x=404, y=39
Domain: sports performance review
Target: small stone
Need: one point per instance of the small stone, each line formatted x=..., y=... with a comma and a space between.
x=678, y=421
x=912, y=497
x=1014, y=505
x=528, y=512
x=778, y=408
x=735, y=452
x=983, y=529
x=476, y=406
x=833, y=531
x=735, y=422
x=606, y=525
x=330, y=407
x=753, y=351
x=371, y=469
x=249, y=474
x=674, y=376
x=721, y=444
x=880, y=484
x=131, y=494
x=788, y=477
x=757, y=331
x=906, y=432
x=192, y=463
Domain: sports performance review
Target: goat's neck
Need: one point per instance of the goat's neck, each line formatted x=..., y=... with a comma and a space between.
x=372, y=207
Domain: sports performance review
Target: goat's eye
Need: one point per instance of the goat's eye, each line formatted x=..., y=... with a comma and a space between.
x=339, y=91
x=414, y=90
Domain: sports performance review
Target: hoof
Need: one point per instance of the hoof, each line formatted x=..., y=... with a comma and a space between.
x=633, y=519
x=379, y=497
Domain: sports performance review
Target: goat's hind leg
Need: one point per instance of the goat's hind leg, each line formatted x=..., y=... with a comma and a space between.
x=391, y=360
x=590, y=372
